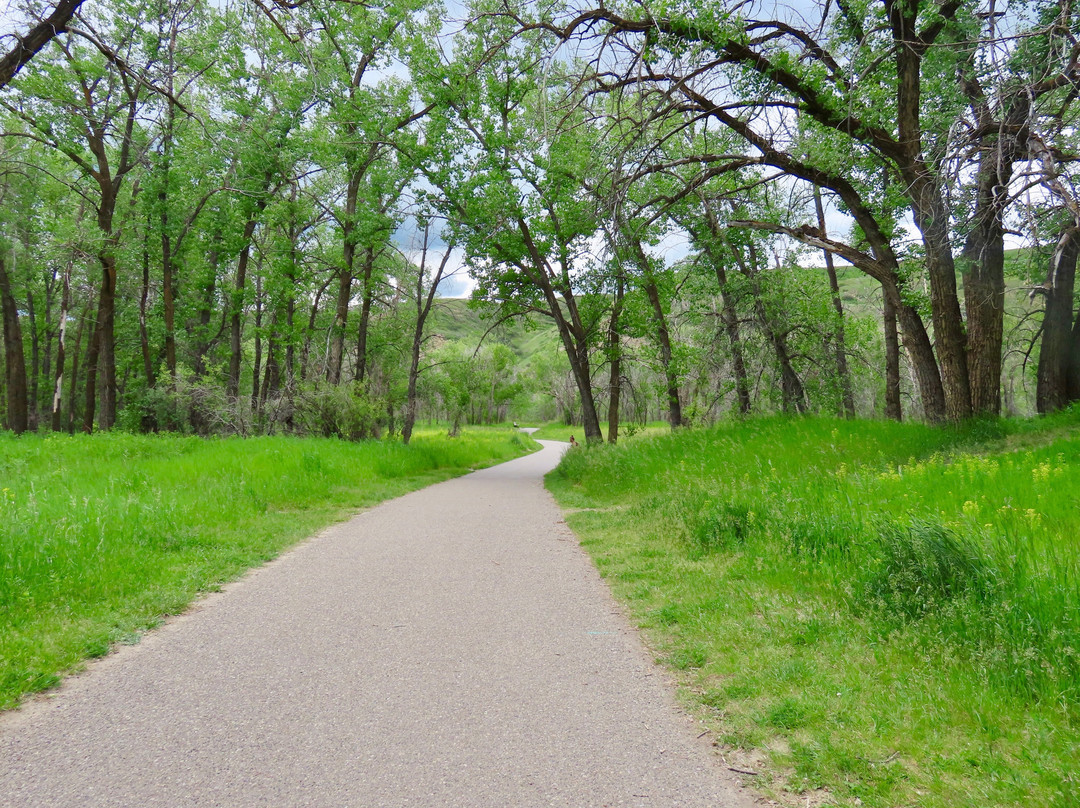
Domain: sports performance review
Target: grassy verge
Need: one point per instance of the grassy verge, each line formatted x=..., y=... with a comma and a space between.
x=866, y=613
x=103, y=535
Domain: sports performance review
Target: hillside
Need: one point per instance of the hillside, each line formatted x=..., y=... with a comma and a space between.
x=460, y=319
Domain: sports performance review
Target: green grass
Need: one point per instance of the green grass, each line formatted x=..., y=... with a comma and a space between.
x=890, y=612
x=101, y=536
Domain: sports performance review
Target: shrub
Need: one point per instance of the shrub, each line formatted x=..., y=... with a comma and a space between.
x=343, y=411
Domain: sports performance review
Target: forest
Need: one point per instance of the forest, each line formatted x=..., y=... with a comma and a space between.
x=246, y=218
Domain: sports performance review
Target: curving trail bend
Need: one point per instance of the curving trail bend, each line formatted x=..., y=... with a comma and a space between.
x=453, y=647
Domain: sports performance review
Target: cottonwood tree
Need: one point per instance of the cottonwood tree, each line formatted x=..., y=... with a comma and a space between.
x=76, y=104
x=358, y=54
x=509, y=164
x=899, y=92
x=429, y=271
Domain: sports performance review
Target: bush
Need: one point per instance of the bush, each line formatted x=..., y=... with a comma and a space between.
x=344, y=411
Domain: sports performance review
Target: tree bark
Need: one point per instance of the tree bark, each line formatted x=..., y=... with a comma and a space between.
x=983, y=262
x=341, y=316
x=663, y=336
x=571, y=332
x=14, y=361
x=312, y=317
x=35, y=362
x=144, y=336
x=168, y=274
x=367, y=299
x=892, y=361
x=728, y=314
x=256, y=370
x=26, y=47
x=1073, y=381
x=75, y=354
x=424, y=303
x=232, y=388
x=56, y=420
x=792, y=393
x=1052, y=391
x=615, y=359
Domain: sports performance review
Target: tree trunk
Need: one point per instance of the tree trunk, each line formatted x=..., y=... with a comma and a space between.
x=256, y=371
x=271, y=381
x=931, y=217
x=731, y=327
x=663, y=336
x=35, y=363
x=201, y=327
x=983, y=262
x=46, y=353
x=144, y=336
x=424, y=303
x=312, y=317
x=571, y=332
x=341, y=316
x=75, y=354
x=930, y=214
x=232, y=389
x=365, y=315
x=728, y=314
x=921, y=353
x=1052, y=386
x=792, y=393
x=56, y=420
x=168, y=297
x=348, y=254
x=93, y=355
x=615, y=358
x=168, y=292
x=14, y=361
x=892, y=361
x=103, y=348
x=1073, y=381
x=414, y=375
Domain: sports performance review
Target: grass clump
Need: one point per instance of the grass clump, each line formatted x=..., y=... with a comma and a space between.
x=920, y=566
x=103, y=535
x=888, y=611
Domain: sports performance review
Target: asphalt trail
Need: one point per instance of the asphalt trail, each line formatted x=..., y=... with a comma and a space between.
x=453, y=647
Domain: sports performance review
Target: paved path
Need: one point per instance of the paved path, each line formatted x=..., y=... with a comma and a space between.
x=454, y=647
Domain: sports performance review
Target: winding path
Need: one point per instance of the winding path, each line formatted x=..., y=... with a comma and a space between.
x=453, y=647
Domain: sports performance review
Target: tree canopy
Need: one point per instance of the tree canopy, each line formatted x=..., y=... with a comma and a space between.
x=237, y=219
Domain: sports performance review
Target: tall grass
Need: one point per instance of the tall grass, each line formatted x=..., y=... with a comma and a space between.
x=101, y=536
x=938, y=567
